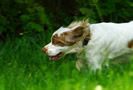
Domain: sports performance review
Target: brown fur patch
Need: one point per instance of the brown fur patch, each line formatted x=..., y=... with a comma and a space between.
x=60, y=40
x=130, y=44
x=68, y=38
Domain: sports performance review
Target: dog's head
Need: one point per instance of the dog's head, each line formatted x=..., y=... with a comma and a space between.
x=67, y=40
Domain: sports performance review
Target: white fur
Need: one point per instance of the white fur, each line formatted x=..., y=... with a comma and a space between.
x=108, y=40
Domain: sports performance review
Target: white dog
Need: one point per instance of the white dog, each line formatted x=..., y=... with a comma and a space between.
x=100, y=42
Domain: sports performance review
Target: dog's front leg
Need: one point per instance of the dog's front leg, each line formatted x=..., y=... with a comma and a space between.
x=95, y=61
x=79, y=64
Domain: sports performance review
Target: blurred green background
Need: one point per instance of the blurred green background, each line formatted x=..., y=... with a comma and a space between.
x=28, y=17
x=27, y=25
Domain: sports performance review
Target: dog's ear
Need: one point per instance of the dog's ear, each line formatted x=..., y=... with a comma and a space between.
x=75, y=35
x=78, y=31
x=84, y=23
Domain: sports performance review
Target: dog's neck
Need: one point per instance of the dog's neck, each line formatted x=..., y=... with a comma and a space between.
x=86, y=40
x=86, y=36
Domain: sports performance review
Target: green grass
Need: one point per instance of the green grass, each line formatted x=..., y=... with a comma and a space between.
x=23, y=66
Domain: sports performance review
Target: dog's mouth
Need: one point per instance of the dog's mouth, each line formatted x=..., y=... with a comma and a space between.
x=56, y=57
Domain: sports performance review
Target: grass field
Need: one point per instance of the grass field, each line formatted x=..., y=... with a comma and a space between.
x=23, y=66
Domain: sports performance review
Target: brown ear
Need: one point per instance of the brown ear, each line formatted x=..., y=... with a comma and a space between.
x=78, y=31
x=75, y=35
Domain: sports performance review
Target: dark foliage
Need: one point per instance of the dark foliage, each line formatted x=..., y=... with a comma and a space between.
x=28, y=17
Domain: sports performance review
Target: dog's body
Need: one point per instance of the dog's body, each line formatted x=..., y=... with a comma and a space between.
x=105, y=41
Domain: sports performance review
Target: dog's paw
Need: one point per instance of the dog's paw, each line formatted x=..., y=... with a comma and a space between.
x=79, y=64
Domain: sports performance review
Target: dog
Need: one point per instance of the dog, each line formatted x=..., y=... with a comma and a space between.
x=100, y=42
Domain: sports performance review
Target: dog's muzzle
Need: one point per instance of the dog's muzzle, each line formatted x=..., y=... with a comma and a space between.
x=56, y=57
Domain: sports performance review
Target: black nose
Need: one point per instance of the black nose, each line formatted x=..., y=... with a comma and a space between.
x=44, y=50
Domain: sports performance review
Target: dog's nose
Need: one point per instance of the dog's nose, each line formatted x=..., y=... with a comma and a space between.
x=44, y=50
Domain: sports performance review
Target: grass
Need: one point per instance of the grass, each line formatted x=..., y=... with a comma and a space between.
x=23, y=66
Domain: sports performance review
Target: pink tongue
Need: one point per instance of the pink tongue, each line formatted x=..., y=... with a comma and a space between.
x=55, y=57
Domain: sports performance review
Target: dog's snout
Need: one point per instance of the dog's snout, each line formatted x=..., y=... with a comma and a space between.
x=44, y=50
